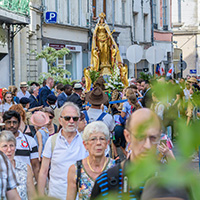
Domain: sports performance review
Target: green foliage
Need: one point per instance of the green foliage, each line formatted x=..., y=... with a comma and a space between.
x=58, y=73
x=94, y=75
x=146, y=77
x=50, y=55
x=176, y=173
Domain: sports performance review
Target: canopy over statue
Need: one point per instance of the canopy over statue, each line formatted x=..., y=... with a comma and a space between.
x=105, y=52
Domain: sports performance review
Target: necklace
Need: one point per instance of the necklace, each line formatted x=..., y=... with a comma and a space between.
x=94, y=170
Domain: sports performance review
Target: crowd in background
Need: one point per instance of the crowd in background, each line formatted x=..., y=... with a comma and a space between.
x=31, y=117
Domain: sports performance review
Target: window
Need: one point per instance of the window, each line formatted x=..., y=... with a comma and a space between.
x=104, y=6
x=123, y=11
x=145, y=27
x=56, y=5
x=94, y=8
x=68, y=12
x=79, y=12
x=179, y=11
x=113, y=14
x=154, y=12
x=134, y=24
x=164, y=12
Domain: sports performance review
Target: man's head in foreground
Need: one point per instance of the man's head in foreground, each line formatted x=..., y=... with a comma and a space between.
x=143, y=130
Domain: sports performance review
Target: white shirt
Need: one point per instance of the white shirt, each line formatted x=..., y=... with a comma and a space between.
x=94, y=114
x=20, y=94
x=64, y=155
x=5, y=107
x=26, y=148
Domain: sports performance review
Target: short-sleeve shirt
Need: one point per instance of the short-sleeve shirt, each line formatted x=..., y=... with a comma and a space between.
x=94, y=114
x=5, y=107
x=20, y=94
x=8, y=179
x=63, y=156
x=126, y=108
x=26, y=148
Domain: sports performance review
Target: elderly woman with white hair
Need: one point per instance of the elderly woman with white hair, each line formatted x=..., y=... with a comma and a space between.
x=82, y=175
x=23, y=171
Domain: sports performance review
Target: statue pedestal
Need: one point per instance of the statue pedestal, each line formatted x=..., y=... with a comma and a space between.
x=105, y=69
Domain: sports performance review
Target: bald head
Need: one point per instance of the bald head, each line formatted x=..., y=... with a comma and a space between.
x=143, y=116
x=143, y=130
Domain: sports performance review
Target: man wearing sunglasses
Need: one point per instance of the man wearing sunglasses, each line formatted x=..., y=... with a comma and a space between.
x=62, y=150
x=142, y=132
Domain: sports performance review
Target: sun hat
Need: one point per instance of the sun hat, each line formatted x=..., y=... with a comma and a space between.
x=78, y=86
x=23, y=84
x=39, y=118
x=97, y=96
x=192, y=80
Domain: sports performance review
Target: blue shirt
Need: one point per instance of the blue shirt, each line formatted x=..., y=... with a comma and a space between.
x=127, y=109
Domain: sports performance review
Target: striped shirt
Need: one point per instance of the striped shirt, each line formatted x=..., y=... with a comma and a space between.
x=115, y=186
x=26, y=148
x=7, y=176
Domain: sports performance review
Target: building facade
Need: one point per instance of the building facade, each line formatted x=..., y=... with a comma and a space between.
x=186, y=30
x=13, y=18
x=162, y=29
x=76, y=19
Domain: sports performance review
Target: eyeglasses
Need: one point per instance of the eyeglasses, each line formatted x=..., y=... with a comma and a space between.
x=95, y=139
x=143, y=138
x=67, y=118
x=9, y=122
x=51, y=117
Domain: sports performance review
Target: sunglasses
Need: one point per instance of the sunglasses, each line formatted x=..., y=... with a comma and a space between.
x=67, y=118
x=51, y=117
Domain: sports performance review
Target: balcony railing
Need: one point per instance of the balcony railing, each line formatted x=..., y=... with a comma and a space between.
x=17, y=6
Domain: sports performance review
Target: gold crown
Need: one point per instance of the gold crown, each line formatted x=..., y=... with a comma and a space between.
x=102, y=15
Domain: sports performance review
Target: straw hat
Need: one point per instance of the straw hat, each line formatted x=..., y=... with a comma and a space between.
x=192, y=80
x=39, y=118
x=23, y=84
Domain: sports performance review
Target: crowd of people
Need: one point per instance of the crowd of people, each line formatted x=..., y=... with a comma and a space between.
x=59, y=141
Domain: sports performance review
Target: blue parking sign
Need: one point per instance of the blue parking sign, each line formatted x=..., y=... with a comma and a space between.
x=193, y=71
x=51, y=17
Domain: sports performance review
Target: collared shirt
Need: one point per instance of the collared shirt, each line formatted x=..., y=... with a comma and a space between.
x=65, y=94
x=7, y=176
x=20, y=94
x=26, y=148
x=63, y=156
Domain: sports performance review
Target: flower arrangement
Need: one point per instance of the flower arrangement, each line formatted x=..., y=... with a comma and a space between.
x=114, y=81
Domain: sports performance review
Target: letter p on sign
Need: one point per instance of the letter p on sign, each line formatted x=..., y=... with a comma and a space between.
x=51, y=17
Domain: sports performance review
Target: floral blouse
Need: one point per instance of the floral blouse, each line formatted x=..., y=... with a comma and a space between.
x=87, y=182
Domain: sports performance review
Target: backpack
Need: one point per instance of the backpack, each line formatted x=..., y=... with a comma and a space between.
x=100, y=118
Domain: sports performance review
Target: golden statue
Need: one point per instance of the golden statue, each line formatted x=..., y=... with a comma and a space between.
x=95, y=59
x=87, y=79
x=113, y=55
x=104, y=42
x=124, y=74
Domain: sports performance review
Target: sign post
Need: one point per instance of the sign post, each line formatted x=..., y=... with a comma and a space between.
x=155, y=55
x=134, y=54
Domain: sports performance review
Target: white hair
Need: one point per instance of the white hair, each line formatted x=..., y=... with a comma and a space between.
x=95, y=127
x=70, y=104
x=7, y=136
